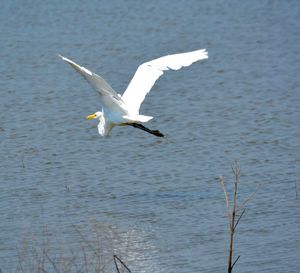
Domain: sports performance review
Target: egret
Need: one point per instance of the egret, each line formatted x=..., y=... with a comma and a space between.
x=124, y=110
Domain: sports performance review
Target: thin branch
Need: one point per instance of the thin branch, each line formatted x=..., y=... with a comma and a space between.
x=233, y=214
x=116, y=264
x=117, y=258
x=248, y=199
x=84, y=257
x=235, y=261
x=239, y=219
x=52, y=262
x=85, y=240
x=20, y=261
x=236, y=170
x=221, y=179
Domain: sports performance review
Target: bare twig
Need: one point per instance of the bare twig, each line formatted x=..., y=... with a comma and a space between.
x=116, y=264
x=38, y=257
x=85, y=240
x=236, y=171
x=221, y=179
x=235, y=261
x=52, y=263
x=239, y=219
x=84, y=257
x=233, y=210
x=116, y=258
x=249, y=198
x=20, y=262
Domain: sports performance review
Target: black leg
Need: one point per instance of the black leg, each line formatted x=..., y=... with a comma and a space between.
x=142, y=127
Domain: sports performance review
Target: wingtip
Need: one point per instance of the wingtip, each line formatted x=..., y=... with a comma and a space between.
x=67, y=60
x=62, y=57
x=204, y=52
x=206, y=55
x=201, y=53
x=75, y=65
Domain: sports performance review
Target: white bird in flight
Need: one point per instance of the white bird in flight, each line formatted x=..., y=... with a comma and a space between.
x=124, y=110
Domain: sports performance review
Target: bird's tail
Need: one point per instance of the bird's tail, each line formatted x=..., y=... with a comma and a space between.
x=138, y=118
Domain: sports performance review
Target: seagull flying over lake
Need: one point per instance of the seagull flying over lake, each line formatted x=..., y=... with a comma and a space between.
x=124, y=110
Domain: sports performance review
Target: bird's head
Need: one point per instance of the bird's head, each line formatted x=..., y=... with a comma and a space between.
x=95, y=115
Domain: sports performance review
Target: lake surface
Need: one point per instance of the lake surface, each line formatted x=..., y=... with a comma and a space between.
x=155, y=202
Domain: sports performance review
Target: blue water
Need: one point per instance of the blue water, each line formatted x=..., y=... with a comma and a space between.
x=155, y=202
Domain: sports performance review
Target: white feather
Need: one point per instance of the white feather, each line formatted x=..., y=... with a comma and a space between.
x=147, y=74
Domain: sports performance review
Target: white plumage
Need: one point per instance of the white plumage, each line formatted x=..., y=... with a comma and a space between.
x=124, y=110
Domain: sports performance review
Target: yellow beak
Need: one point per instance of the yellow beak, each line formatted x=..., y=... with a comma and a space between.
x=91, y=116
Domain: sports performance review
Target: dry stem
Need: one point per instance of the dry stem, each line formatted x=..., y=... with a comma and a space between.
x=233, y=210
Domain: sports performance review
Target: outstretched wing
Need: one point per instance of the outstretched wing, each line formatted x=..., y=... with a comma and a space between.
x=147, y=73
x=108, y=96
